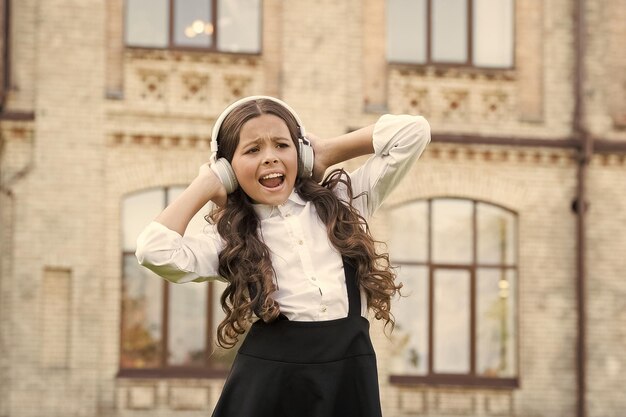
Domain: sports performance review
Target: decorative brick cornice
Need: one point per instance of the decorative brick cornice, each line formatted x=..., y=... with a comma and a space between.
x=144, y=54
x=152, y=140
x=486, y=153
x=454, y=72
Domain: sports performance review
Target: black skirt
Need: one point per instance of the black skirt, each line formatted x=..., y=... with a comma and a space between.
x=305, y=369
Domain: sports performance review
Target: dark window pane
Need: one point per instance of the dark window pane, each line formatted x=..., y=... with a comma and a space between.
x=137, y=211
x=449, y=31
x=496, y=235
x=142, y=304
x=147, y=23
x=493, y=33
x=452, y=321
x=406, y=31
x=452, y=231
x=409, y=354
x=221, y=358
x=496, y=329
x=192, y=23
x=239, y=26
x=409, y=233
x=187, y=324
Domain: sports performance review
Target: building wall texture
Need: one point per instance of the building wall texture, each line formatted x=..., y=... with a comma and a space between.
x=108, y=121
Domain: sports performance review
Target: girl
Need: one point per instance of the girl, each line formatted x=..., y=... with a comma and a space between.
x=296, y=254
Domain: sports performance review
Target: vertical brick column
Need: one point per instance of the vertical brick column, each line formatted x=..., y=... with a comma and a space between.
x=58, y=210
x=374, y=55
x=529, y=39
x=114, y=47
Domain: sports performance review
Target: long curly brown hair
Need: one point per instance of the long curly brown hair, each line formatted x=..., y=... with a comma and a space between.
x=245, y=260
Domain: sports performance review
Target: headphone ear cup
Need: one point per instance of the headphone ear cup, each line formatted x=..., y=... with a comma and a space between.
x=225, y=173
x=306, y=160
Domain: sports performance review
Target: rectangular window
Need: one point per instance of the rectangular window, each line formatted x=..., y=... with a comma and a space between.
x=215, y=25
x=193, y=23
x=239, y=25
x=406, y=40
x=410, y=335
x=142, y=317
x=449, y=31
x=493, y=33
x=187, y=339
x=452, y=231
x=476, y=33
x=147, y=23
x=451, y=322
x=495, y=328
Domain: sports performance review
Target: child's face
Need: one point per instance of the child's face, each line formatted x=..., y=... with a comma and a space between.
x=266, y=149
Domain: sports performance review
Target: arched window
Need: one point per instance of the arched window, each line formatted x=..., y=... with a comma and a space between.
x=167, y=329
x=458, y=262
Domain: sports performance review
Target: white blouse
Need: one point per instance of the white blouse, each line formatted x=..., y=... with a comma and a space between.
x=309, y=270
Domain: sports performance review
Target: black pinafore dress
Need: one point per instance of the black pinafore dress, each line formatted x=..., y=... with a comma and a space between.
x=305, y=369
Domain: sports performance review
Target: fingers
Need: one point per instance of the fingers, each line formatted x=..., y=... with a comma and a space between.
x=204, y=169
x=216, y=189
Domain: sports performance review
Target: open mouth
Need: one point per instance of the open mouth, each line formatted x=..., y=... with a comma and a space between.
x=272, y=180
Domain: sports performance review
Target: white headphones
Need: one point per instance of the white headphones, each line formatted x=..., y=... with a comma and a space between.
x=224, y=170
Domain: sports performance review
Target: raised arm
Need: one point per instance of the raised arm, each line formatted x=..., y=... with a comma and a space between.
x=161, y=246
x=329, y=152
x=397, y=141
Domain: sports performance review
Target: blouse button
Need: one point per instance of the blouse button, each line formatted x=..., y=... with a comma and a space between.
x=300, y=242
x=323, y=309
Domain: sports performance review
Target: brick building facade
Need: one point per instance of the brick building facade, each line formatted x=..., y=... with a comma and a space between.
x=89, y=120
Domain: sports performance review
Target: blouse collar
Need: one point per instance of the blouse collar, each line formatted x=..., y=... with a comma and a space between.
x=265, y=211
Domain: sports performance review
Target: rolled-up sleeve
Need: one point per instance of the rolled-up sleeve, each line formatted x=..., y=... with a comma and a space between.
x=399, y=140
x=179, y=259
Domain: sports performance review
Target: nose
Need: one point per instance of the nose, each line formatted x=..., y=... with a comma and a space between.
x=269, y=158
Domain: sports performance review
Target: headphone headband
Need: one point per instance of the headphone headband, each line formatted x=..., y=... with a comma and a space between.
x=233, y=106
x=224, y=170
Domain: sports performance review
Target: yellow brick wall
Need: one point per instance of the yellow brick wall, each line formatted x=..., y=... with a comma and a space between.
x=606, y=285
x=84, y=152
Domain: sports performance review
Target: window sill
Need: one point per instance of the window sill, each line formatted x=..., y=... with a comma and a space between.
x=454, y=71
x=170, y=373
x=190, y=54
x=17, y=115
x=455, y=381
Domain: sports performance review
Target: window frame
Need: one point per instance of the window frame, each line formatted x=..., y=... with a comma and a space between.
x=470, y=40
x=209, y=370
x=470, y=379
x=171, y=46
x=5, y=52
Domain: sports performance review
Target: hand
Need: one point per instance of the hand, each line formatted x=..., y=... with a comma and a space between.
x=214, y=185
x=319, y=165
